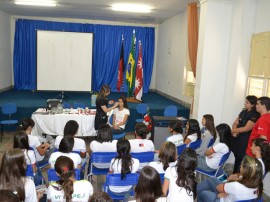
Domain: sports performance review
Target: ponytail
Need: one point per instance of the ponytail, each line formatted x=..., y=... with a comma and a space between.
x=141, y=130
x=25, y=123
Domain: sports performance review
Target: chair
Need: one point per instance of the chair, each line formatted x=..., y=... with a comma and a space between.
x=211, y=142
x=117, y=136
x=29, y=171
x=181, y=148
x=195, y=145
x=170, y=111
x=115, y=180
x=66, y=105
x=143, y=157
x=141, y=109
x=39, y=165
x=162, y=177
x=79, y=105
x=53, y=177
x=8, y=109
x=99, y=157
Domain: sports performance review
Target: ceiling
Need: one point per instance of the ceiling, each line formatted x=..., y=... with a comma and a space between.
x=100, y=10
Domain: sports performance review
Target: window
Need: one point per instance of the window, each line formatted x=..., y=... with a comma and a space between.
x=256, y=87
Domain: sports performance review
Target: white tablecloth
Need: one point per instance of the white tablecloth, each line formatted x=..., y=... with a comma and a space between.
x=53, y=124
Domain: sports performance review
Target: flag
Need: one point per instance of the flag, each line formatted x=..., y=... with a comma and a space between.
x=120, y=74
x=139, y=76
x=130, y=77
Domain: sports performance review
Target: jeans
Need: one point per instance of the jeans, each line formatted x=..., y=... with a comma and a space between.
x=207, y=191
x=203, y=165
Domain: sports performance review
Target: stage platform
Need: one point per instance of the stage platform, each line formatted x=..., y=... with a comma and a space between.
x=28, y=101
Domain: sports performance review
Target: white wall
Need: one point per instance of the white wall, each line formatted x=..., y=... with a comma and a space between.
x=5, y=52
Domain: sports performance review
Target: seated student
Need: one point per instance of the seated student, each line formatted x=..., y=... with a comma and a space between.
x=175, y=128
x=65, y=149
x=12, y=176
x=100, y=197
x=167, y=157
x=68, y=188
x=42, y=150
x=210, y=162
x=180, y=180
x=193, y=131
x=208, y=132
x=141, y=144
x=123, y=164
x=149, y=186
x=71, y=129
x=250, y=186
x=120, y=116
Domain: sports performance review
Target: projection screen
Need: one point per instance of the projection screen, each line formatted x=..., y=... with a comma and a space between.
x=64, y=61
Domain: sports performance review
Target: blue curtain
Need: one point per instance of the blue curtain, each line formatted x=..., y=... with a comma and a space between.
x=106, y=51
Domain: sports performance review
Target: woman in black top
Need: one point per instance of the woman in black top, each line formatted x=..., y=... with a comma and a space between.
x=102, y=106
x=241, y=130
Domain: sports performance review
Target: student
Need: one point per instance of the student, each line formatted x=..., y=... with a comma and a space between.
x=210, y=162
x=123, y=164
x=149, y=186
x=104, y=143
x=167, y=157
x=71, y=129
x=13, y=176
x=65, y=149
x=67, y=188
x=100, y=197
x=180, y=180
x=175, y=128
x=250, y=186
x=120, y=116
x=208, y=132
x=193, y=131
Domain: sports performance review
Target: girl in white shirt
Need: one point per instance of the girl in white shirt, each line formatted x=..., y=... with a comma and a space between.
x=175, y=128
x=180, y=180
x=193, y=131
x=67, y=189
x=120, y=116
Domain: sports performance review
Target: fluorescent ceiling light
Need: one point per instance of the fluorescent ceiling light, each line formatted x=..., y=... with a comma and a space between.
x=134, y=8
x=36, y=2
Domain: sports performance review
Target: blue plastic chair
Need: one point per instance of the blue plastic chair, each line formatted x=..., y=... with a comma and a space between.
x=115, y=180
x=211, y=142
x=66, y=105
x=79, y=105
x=8, y=109
x=170, y=111
x=161, y=175
x=143, y=157
x=99, y=157
x=141, y=109
x=180, y=149
x=117, y=136
x=29, y=171
x=53, y=177
x=195, y=145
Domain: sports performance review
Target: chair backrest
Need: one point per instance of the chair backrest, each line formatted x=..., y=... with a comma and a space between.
x=79, y=105
x=196, y=144
x=66, y=105
x=52, y=176
x=161, y=177
x=115, y=179
x=181, y=148
x=102, y=157
x=143, y=157
x=9, y=108
x=170, y=111
x=142, y=108
x=211, y=142
x=29, y=171
x=224, y=158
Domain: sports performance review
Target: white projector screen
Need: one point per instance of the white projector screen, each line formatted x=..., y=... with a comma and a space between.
x=64, y=61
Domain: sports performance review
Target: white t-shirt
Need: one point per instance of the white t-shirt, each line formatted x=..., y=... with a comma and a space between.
x=192, y=137
x=219, y=150
x=79, y=144
x=159, y=166
x=120, y=115
x=30, y=190
x=176, y=139
x=34, y=143
x=29, y=156
x=238, y=192
x=73, y=156
x=161, y=199
x=82, y=190
x=116, y=166
x=175, y=192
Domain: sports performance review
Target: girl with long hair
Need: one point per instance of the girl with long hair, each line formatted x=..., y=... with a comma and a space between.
x=249, y=186
x=120, y=116
x=67, y=188
x=102, y=106
x=208, y=132
x=180, y=180
x=13, y=176
x=175, y=128
x=193, y=131
x=167, y=157
x=210, y=161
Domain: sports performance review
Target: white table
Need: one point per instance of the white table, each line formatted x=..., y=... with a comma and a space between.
x=53, y=124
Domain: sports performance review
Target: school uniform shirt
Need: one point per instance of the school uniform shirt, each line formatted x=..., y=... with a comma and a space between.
x=30, y=190
x=73, y=156
x=175, y=192
x=29, y=156
x=120, y=115
x=82, y=190
x=176, y=139
x=116, y=166
x=79, y=144
x=192, y=137
x=34, y=143
x=238, y=192
x=159, y=166
x=219, y=150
